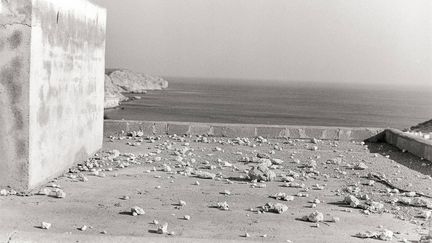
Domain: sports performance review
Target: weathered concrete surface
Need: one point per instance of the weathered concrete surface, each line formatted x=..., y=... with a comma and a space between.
x=52, y=87
x=98, y=202
x=67, y=85
x=240, y=130
x=15, y=37
x=413, y=144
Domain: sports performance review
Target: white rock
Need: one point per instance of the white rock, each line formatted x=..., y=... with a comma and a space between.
x=315, y=217
x=137, y=211
x=4, y=192
x=163, y=229
x=45, y=225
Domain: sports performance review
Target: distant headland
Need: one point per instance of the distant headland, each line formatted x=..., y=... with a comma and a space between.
x=118, y=81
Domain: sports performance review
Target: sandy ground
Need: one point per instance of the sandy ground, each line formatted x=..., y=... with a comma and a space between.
x=99, y=204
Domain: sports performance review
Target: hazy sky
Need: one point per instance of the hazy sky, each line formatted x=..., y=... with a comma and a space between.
x=374, y=41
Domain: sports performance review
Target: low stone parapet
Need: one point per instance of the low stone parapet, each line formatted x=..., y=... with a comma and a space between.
x=114, y=127
x=410, y=143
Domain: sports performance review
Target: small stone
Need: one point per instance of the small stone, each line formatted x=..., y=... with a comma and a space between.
x=335, y=219
x=361, y=166
x=196, y=183
x=83, y=228
x=278, y=208
x=386, y=235
x=182, y=203
x=426, y=214
x=352, y=201
x=137, y=211
x=187, y=217
x=410, y=194
x=226, y=192
x=205, y=175
x=314, y=217
x=223, y=206
x=45, y=225
x=277, y=161
x=163, y=229
x=246, y=235
x=58, y=193
x=4, y=192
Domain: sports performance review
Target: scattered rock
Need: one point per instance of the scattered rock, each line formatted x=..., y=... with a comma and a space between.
x=314, y=217
x=282, y=196
x=223, y=206
x=261, y=173
x=45, y=225
x=361, y=166
x=416, y=202
x=137, y=211
x=385, y=235
x=205, y=175
x=4, y=192
x=163, y=229
x=83, y=228
x=277, y=161
x=335, y=219
x=226, y=192
x=58, y=193
x=352, y=201
x=278, y=208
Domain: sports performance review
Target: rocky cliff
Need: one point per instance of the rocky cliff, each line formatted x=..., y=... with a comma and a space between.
x=424, y=127
x=126, y=81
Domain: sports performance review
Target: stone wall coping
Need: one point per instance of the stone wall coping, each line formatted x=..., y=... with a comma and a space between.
x=113, y=127
x=418, y=146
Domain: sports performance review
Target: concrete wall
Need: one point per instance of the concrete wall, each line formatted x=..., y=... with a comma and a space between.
x=15, y=36
x=413, y=144
x=59, y=89
x=240, y=130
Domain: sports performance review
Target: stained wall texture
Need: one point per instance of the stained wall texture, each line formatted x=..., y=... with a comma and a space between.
x=15, y=37
x=52, y=86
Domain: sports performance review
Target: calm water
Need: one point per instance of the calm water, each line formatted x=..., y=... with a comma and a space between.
x=285, y=104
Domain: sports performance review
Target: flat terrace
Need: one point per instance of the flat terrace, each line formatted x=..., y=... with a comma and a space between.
x=171, y=177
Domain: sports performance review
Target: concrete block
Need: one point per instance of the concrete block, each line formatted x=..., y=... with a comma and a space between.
x=296, y=133
x=314, y=132
x=428, y=153
x=271, y=132
x=344, y=134
x=234, y=131
x=160, y=128
x=390, y=137
x=179, y=129
x=114, y=128
x=361, y=134
x=144, y=126
x=200, y=129
x=52, y=64
x=331, y=134
x=417, y=146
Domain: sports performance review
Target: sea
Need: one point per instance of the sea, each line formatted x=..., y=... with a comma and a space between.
x=281, y=103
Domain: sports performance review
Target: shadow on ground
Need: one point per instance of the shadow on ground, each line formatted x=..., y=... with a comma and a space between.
x=406, y=159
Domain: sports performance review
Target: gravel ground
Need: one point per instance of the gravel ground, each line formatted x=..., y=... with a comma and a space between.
x=350, y=187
